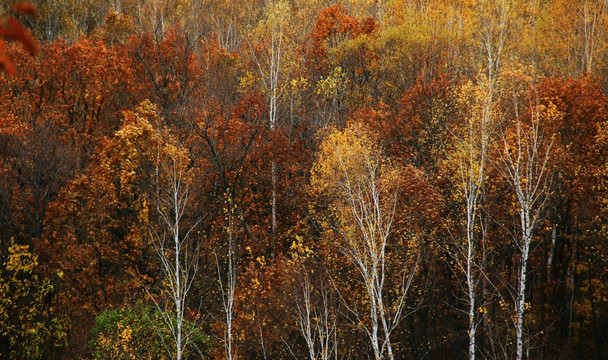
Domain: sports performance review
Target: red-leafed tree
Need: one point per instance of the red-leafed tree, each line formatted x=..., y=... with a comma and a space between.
x=12, y=30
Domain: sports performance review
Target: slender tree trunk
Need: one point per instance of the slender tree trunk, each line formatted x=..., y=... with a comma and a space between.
x=315, y=319
x=526, y=170
x=228, y=287
x=179, y=263
x=275, y=68
x=178, y=288
x=493, y=40
x=471, y=294
x=229, y=302
x=521, y=294
x=472, y=173
x=472, y=200
x=374, y=219
x=274, y=205
x=273, y=78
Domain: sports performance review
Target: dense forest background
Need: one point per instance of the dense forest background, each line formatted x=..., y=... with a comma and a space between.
x=283, y=179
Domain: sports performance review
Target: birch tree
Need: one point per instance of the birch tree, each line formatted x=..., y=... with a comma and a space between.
x=227, y=281
x=314, y=305
x=467, y=162
x=177, y=250
x=582, y=27
x=493, y=21
x=363, y=190
x=524, y=163
x=471, y=151
x=316, y=322
x=271, y=50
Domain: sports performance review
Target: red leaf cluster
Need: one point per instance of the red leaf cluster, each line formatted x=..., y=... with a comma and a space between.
x=12, y=30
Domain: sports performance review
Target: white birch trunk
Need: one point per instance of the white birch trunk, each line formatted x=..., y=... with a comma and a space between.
x=179, y=263
x=471, y=172
x=316, y=322
x=271, y=70
x=373, y=213
x=228, y=286
x=525, y=169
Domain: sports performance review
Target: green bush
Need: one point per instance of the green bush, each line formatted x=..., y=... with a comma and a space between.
x=139, y=332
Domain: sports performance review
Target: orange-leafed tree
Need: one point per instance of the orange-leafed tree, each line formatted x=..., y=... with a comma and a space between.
x=337, y=60
x=96, y=244
x=171, y=78
x=574, y=255
x=56, y=112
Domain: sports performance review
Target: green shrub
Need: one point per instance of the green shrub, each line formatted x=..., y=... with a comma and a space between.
x=139, y=332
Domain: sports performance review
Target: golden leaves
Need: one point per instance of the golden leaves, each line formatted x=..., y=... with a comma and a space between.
x=343, y=154
x=333, y=84
x=23, y=305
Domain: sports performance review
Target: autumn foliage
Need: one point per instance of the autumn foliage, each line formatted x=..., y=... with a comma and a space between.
x=12, y=30
x=354, y=180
